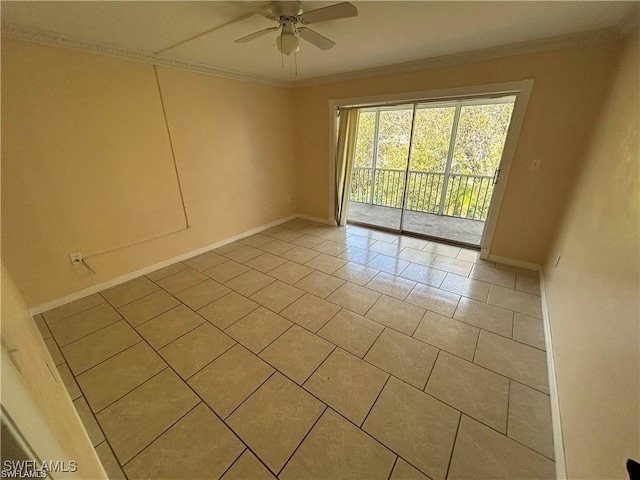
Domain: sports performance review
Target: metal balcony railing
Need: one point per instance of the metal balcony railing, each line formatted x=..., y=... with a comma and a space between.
x=465, y=196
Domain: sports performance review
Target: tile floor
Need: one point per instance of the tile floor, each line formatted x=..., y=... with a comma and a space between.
x=311, y=351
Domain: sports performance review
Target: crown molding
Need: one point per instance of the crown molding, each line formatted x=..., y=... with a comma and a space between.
x=46, y=37
x=550, y=43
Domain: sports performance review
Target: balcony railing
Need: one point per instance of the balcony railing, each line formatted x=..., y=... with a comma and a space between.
x=465, y=196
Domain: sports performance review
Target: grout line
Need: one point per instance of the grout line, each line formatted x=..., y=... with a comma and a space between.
x=453, y=447
x=393, y=467
x=364, y=420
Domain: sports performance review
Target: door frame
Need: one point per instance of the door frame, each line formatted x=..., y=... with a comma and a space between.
x=520, y=89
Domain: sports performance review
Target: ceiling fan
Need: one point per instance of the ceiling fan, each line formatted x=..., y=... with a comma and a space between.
x=292, y=18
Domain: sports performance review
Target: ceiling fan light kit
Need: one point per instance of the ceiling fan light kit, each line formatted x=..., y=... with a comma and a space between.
x=291, y=19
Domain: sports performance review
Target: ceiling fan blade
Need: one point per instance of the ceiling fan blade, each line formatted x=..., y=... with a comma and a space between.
x=314, y=38
x=255, y=35
x=332, y=12
x=250, y=7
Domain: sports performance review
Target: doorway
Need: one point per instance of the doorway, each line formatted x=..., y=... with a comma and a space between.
x=429, y=168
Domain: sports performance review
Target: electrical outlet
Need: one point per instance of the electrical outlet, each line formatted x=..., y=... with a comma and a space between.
x=76, y=258
x=264, y=205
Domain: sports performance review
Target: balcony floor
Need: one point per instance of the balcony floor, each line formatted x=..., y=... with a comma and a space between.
x=449, y=228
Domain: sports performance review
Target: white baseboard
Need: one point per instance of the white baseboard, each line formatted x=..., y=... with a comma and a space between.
x=165, y=263
x=326, y=221
x=556, y=421
x=513, y=263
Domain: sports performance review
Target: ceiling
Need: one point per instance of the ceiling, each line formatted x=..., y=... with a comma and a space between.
x=384, y=32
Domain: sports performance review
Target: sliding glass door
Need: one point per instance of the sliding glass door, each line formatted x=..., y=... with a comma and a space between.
x=429, y=168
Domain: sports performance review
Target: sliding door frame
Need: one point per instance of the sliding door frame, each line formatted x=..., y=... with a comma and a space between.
x=520, y=89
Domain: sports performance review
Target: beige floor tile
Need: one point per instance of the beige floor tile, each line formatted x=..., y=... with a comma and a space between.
x=227, y=381
x=277, y=296
x=442, y=249
x=287, y=235
x=357, y=255
x=54, y=351
x=494, y=275
x=290, y=272
x=336, y=449
x=130, y=291
x=354, y=297
x=480, y=393
x=415, y=426
x=226, y=271
x=517, y=301
x=468, y=255
x=182, y=280
x=307, y=241
x=166, y=271
x=109, y=462
x=72, y=308
x=347, y=384
x=481, y=452
x=404, y=357
x=391, y=285
x=352, y=332
x=196, y=349
x=69, y=381
x=434, y=299
x=330, y=247
x=229, y=247
x=265, y=262
x=82, y=324
x=359, y=242
x=42, y=326
x=310, y=312
x=165, y=328
x=396, y=314
x=404, y=471
x=88, y=420
x=250, y=282
x=227, y=310
x=422, y=274
x=467, y=287
x=297, y=224
x=417, y=256
x=487, y=317
x=530, y=419
x=248, y=467
x=411, y=242
x=448, y=334
x=277, y=247
x=275, y=419
x=385, y=236
x=300, y=254
x=356, y=273
x=326, y=263
x=148, y=307
x=297, y=353
x=258, y=329
x=202, y=294
x=528, y=283
x=452, y=265
x=528, y=330
x=198, y=446
x=517, y=270
x=385, y=248
x=388, y=264
x=319, y=284
x=114, y=378
x=87, y=352
x=257, y=241
x=336, y=234
x=138, y=418
x=205, y=261
x=520, y=362
x=243, y=254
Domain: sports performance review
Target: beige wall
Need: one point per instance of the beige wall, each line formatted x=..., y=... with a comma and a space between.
x=568, y=84
x=593, y=295
x=87, y=164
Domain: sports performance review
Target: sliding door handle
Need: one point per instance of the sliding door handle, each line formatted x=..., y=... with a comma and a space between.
x=496, y=176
